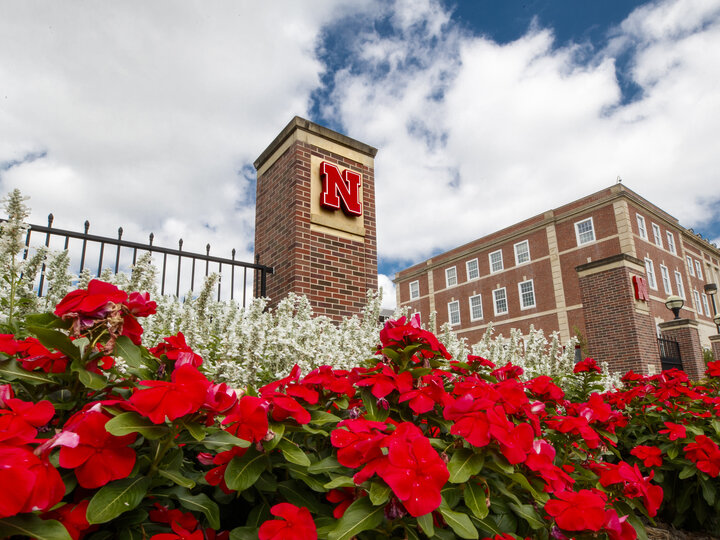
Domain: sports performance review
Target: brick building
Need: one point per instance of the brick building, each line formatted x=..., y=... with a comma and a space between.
x=576, y=269
x=315, y=218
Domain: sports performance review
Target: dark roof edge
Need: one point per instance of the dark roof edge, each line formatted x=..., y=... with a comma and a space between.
x=312, y=127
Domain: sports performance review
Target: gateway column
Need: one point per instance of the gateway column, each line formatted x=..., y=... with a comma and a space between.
x=315, y=218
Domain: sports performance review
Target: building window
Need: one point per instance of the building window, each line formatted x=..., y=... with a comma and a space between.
x=496, y=262
x=641, y=226
x=691, y=269
x=476, y=312
x=450, y=276
x=650, y=271
x=665, y=279
x=584, y=231
x=454, y=312
x=679, y=283
x=671, y=242
x=706, y=306
x=414, y=290
x=696, y=297
x=500, y=300
x=473, y=272
x=527, y=294
x=656, y=234
x=698, y=268
x=522, y=252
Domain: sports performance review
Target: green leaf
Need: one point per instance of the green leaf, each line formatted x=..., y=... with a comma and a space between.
x=379, y=492
x=359, y=516
x=117, y=497
x=329, y=464
x=463, y=464
x=279, y=430
x=222, y=440
x=373, y=411
x=88, y=378
x=196, y=431
x=45, y=320
x=529, y=514
x=426, y=524
x=130, y=534
x=301, y=473
x=32, y=526
x=242, y=472
x=292, y=453
x=10, y=370
x=53, y=339
x=125, y=348
x=131, y=422
x=339, y=481
x=673, y=452
x=198, y=503
x=321, y=417
x=686, y=472
x=244, y=533
x=460, y=523
x=178, y=478
x=296, y=494
x=708, y=490
x=476, y=500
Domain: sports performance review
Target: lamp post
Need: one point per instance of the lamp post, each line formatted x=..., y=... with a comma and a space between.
x=711, y=289
x=674, y=304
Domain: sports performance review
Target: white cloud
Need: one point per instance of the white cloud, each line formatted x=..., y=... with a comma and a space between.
x=385, y=283
x=474, y=135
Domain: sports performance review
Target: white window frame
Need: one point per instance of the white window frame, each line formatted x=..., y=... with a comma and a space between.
x=520, y=294
x=578, y=233
x=642, y=228
x=454, y=309
x=416, y=295
x=473, y=318
x=448, y=279
x=706, y=304
x=650, y=272
x=691, y=268
x=490, y=259
x=495, y=301
x=468, y=269
x=518, y=262
x=698, y=269
x=696, y=297
x=671, y=242
x=657, y=234
x=680, y=286
x=665, y=275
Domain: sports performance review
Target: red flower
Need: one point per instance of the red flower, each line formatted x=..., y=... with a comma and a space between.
x=33, y=355
x=705, y=454
x=674, y=431
x=578, y=511
x=713, y=369
x=651, y=456
x=184, y=395
x=248, y=419
x=162, y=514
x=544, y=388
x=508, y=371
x=19, y=422
x=175, y=348
x=30, y=482
x=634, y=483
x=283, y=407
x=360, y=443
x=216, y=476
x=344, y=496
x=74, y=518
x=401, y=333
x=586, y=365
x=424, y=398
x=99, y=457
x=295, y=524
x=179, y=534
x=86, y=306
x=414, y=470
x=332, y=380
x=386, y=381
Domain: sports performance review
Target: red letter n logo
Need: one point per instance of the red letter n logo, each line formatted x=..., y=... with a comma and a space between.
x=340, y=188
x=641, y=289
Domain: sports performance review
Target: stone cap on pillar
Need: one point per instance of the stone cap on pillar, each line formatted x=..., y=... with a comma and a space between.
x=608, y=263
x=307, y=126
x=676, y=324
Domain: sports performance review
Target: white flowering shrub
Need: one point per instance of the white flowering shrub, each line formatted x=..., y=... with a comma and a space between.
x=253, y=345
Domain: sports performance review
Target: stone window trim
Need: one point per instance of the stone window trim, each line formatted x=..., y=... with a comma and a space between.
x=657, y=235
x=679, y=283
x=671, y=242
x=584, y=231
x=496, y=261
x=454, y=312
x=522, y=252
x=665, y=275
x=476, y=311
x=414, y=290
x=473, y=269
x=650, y=272
x=698, y=269
x=526, y=292
x=642, y=228
x=451, y=277
x=500, y=301
x=691, y=268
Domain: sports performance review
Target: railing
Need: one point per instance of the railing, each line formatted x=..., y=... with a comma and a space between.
x=669, y=354
x=260, y=271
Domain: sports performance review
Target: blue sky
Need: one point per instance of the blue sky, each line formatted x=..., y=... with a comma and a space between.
x=149, y=116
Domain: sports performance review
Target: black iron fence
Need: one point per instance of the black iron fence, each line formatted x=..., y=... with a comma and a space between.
x=253, y=285
x=669, y=354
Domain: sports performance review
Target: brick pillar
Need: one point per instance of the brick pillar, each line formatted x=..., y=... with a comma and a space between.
x=329, y=255
x=619, y=328
x=715, y=344
x=685, y=332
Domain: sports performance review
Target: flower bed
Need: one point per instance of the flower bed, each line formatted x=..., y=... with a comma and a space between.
x=103, y=438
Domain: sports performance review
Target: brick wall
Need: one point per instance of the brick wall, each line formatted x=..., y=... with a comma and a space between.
x=685, y=332
x=619, y=329
x=333, y=268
